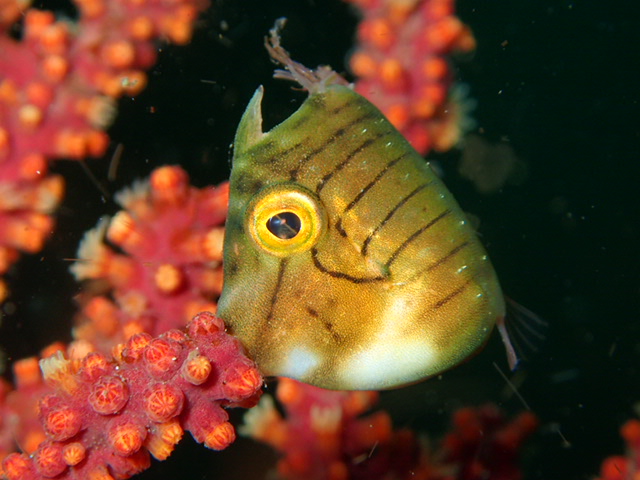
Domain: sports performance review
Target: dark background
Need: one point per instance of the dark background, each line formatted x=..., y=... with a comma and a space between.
x=557, y=80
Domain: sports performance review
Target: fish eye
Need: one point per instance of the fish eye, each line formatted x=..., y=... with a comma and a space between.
x=284, y=225
x=285, y=218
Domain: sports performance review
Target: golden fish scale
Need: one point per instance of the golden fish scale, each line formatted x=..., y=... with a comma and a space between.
x=397, y=264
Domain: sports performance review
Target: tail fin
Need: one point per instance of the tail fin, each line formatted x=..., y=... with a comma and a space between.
x=522, y=332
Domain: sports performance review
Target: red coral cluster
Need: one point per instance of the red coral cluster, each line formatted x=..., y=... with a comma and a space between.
x=402, y=67
x=57, y=89
x=167, y=266
x=483, y=444
x=621, y=467
x=103, y=416
x=324, y=435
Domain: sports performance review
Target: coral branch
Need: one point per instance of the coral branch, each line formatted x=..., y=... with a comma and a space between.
x=402, y=67
x=620, y=467
x=58, y=86
x=103, y=416
x=170, y=235
x=323, y=435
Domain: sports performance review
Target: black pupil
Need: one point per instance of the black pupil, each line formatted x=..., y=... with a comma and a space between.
x=284, y=225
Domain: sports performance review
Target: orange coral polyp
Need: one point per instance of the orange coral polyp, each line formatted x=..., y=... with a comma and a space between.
x=48, y=460
x=359, y=402
x=363, y=65
x=424, y=108
x=378, y=32
x=71, y=144
x=435, y=93
x=94, y=366
x=62, y=423
x=196, y=369
x=213, y=243
x=160, y=357
x=444, y=33
x=141, y=28
x=36, y=21
x=91, y=8
x=34, y=166
x=27, y=372
x=74, y=453
x=434, y=68
x=123, y=231
x=103, y=315
x=126, y=438
x=220, y=437
x=163, y=439
x=192, y=308
x=205, y=323
x=16, y=466
x=168, y=278
x=39, y=93
x=169, y=184
x=108, y=395
x=440, y=9
x=55, y=39
x=239, y=382
x=630, y=431
x=615, y=467
x=179, y=28
x=162, y=402
x=135, y=346
x=398, y=115
x=97, y=141
x=289, y=391
x=55, y=68
x=30, y=116
x=21, y=234
x=118, y=54
x=393, y=75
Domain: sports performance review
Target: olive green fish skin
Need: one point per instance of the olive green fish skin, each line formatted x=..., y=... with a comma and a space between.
x=394, y=288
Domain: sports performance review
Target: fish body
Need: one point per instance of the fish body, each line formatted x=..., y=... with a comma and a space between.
x=347, y=262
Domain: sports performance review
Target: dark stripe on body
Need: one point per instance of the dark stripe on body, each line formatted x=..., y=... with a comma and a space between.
x=282, y=153
x=331, y=139
x=415, y=235
x=451, y=296
x=453, y=252
x=361, y=148
x=399, y=205
x=441, y=260
x=345, y=276
x=364, y=191
x=274, y=296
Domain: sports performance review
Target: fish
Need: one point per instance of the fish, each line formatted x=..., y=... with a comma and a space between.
x=348, y=264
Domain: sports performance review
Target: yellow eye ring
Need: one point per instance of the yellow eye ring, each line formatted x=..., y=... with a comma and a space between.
x=285, y=218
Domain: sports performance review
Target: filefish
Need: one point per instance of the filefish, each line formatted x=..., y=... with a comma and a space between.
x=347, y=262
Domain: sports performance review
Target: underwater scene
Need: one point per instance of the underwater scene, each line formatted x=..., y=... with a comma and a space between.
x=319, y=239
